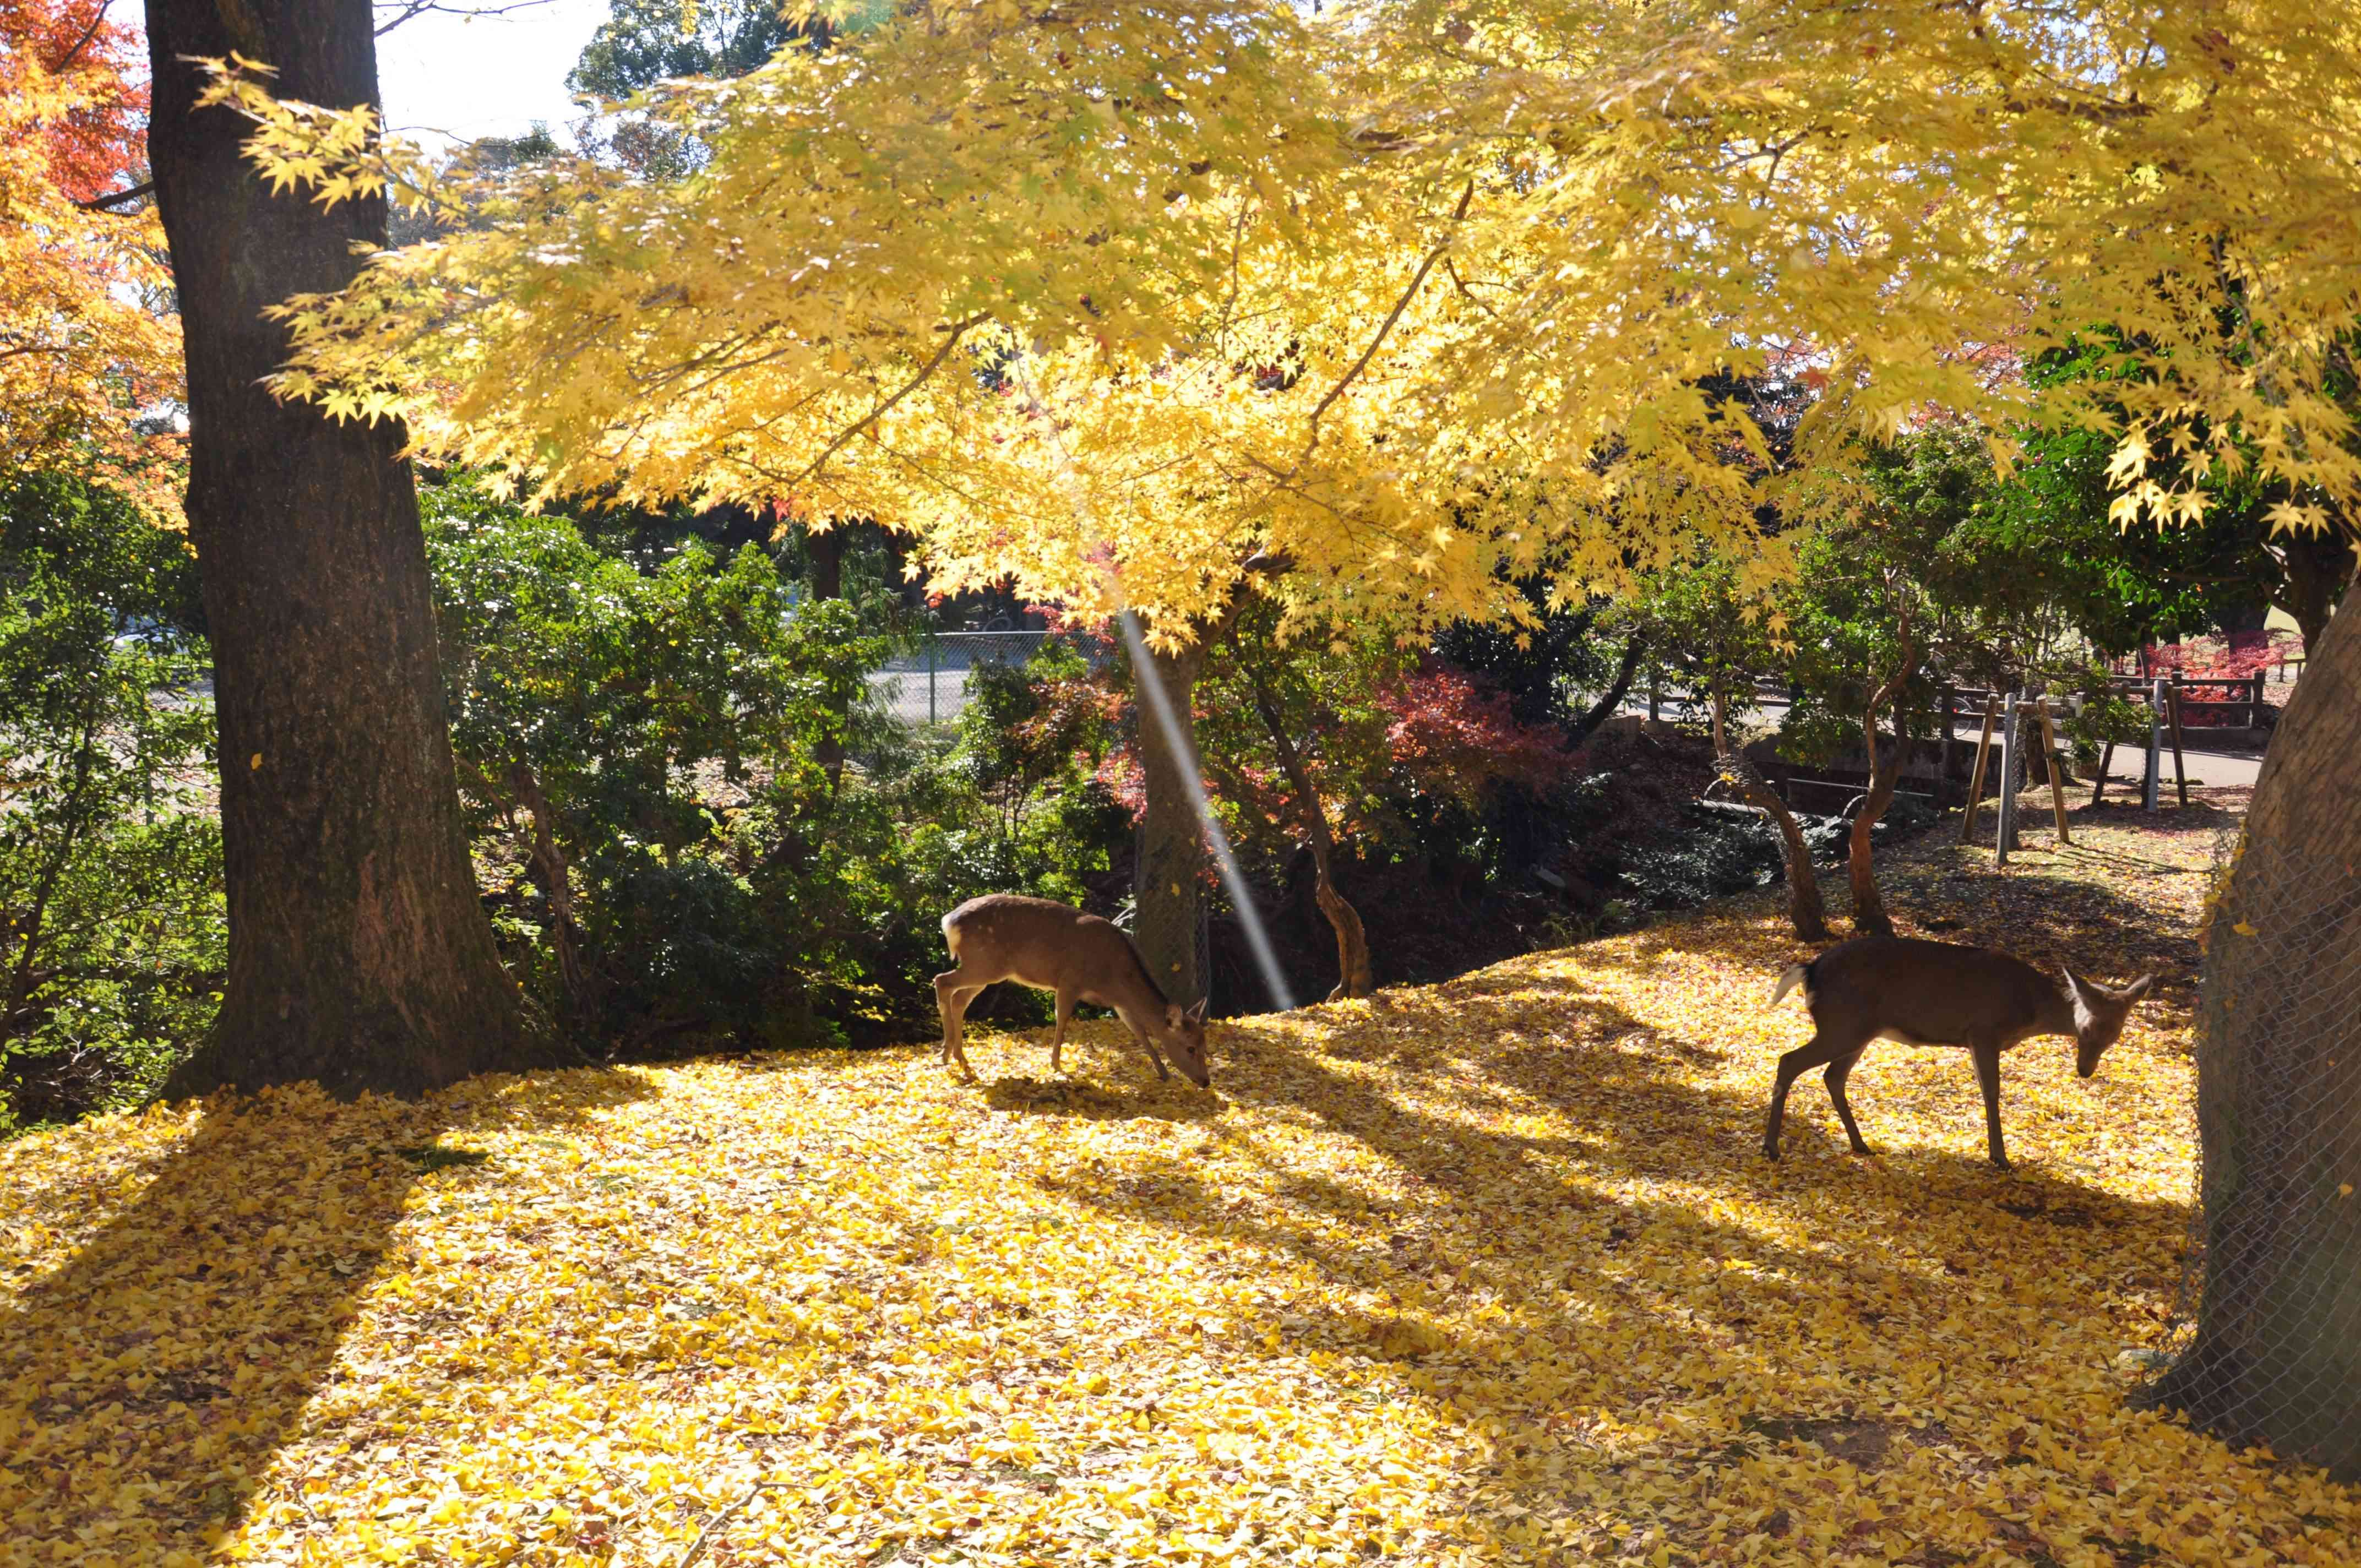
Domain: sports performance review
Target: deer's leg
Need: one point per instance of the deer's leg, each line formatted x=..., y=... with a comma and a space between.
x=951, y=998
x=1058, y=1041
x=1988, y=1078
x=1149, y=1046
x=1817, y=1051
x=1839, y=1070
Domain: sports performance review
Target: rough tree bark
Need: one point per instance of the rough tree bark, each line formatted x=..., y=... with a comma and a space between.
x=2277, y=1357
x=1869, y=916
x=1353, y=971
x=1805, y=910
x=360, y=955
x=1168, y=880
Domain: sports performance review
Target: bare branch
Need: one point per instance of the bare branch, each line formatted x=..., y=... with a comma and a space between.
x=97, y=15
x=393, y=13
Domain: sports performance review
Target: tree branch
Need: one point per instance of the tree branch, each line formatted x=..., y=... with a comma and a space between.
x=114, y=199
x=1418, y=279
x=957, y=331
x=396, y=12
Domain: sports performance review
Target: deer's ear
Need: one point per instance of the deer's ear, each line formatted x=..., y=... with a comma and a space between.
x=1174, y=1016
x=2138, y=988
x=1197, y=1015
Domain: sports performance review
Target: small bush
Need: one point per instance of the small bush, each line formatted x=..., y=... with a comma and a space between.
x=113, y=930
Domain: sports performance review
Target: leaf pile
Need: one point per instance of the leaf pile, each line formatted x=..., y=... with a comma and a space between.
x=1489, y=1272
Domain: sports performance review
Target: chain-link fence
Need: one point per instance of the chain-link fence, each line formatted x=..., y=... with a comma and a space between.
x=2268, y=1341
x=929, y=685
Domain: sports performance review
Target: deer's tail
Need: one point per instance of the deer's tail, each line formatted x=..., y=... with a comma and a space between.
x=1790, y=978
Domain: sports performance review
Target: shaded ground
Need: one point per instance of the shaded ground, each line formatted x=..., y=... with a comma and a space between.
x=1482, y=1273
x=1631, y=850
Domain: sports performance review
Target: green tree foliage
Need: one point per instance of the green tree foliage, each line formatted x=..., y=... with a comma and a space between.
x=643, y=738
x=652, y=741
x=643, y=42
x=112, y=932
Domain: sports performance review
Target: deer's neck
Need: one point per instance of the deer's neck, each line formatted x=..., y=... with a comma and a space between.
x=2059, y=1015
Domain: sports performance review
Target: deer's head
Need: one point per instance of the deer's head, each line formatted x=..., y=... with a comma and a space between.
x=2099, y=1015
x=1183, y=1035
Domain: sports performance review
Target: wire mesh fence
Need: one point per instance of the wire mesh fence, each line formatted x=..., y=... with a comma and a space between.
x=2266, y=1341
x=929, y=684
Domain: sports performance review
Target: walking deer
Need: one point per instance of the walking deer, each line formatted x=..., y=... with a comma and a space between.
x=1938, y=993
x=1081, y=957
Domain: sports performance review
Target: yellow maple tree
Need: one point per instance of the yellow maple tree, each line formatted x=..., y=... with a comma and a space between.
x=1402, y=295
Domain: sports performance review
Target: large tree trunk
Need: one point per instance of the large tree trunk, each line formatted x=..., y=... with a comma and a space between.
x=1806, y=911
x=2277, y=1358
x=1167, y=884
x=826, y=548
x=1869, y=916
x=360, y=955
x=1167, y=879
x=1354, y=976
x=2316, y=567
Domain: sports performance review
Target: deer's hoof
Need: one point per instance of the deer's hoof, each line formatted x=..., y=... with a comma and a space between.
x=1771, y=1151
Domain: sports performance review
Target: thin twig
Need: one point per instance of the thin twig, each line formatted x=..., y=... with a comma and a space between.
x=406, y=10
x=1418, y=279
x=705, y=1537
x=957, y=331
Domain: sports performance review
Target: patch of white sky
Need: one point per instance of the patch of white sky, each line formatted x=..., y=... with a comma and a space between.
x=448, y=77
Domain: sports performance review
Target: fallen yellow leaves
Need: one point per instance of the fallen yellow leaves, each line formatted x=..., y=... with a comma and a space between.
x=1484, y=1273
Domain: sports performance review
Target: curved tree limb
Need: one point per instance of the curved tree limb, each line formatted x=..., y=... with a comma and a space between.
x=1868, y=915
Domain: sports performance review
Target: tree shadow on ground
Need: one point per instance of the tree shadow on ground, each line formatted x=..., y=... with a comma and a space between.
x=2049, y=921
x=147, y=1382
x=1534, y=1287
x=1084, y=1100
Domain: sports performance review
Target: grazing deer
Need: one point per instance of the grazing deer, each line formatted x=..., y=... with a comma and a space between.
x=1081, y=957
x=1938, y=993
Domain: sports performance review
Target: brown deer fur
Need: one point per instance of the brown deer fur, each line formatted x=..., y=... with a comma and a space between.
x=1938, y=993
x=1080, y=958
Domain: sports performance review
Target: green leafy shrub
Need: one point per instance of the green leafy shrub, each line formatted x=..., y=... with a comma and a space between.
x=645, y=757
x=697, y=825
x=113, y=931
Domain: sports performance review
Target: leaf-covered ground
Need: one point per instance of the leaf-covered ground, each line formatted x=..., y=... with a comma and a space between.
x=1489, y=1272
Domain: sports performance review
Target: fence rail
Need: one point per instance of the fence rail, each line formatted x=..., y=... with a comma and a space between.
x=929, y=684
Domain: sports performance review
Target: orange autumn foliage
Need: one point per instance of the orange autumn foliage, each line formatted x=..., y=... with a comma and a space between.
x=86, y=348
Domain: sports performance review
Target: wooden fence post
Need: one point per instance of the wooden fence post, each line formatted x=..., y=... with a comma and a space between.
x=1976, y=780
x=2057, y=783
x=2011, y=754
x=1943, y=756
x=2153, y=778
x=2180, y=767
